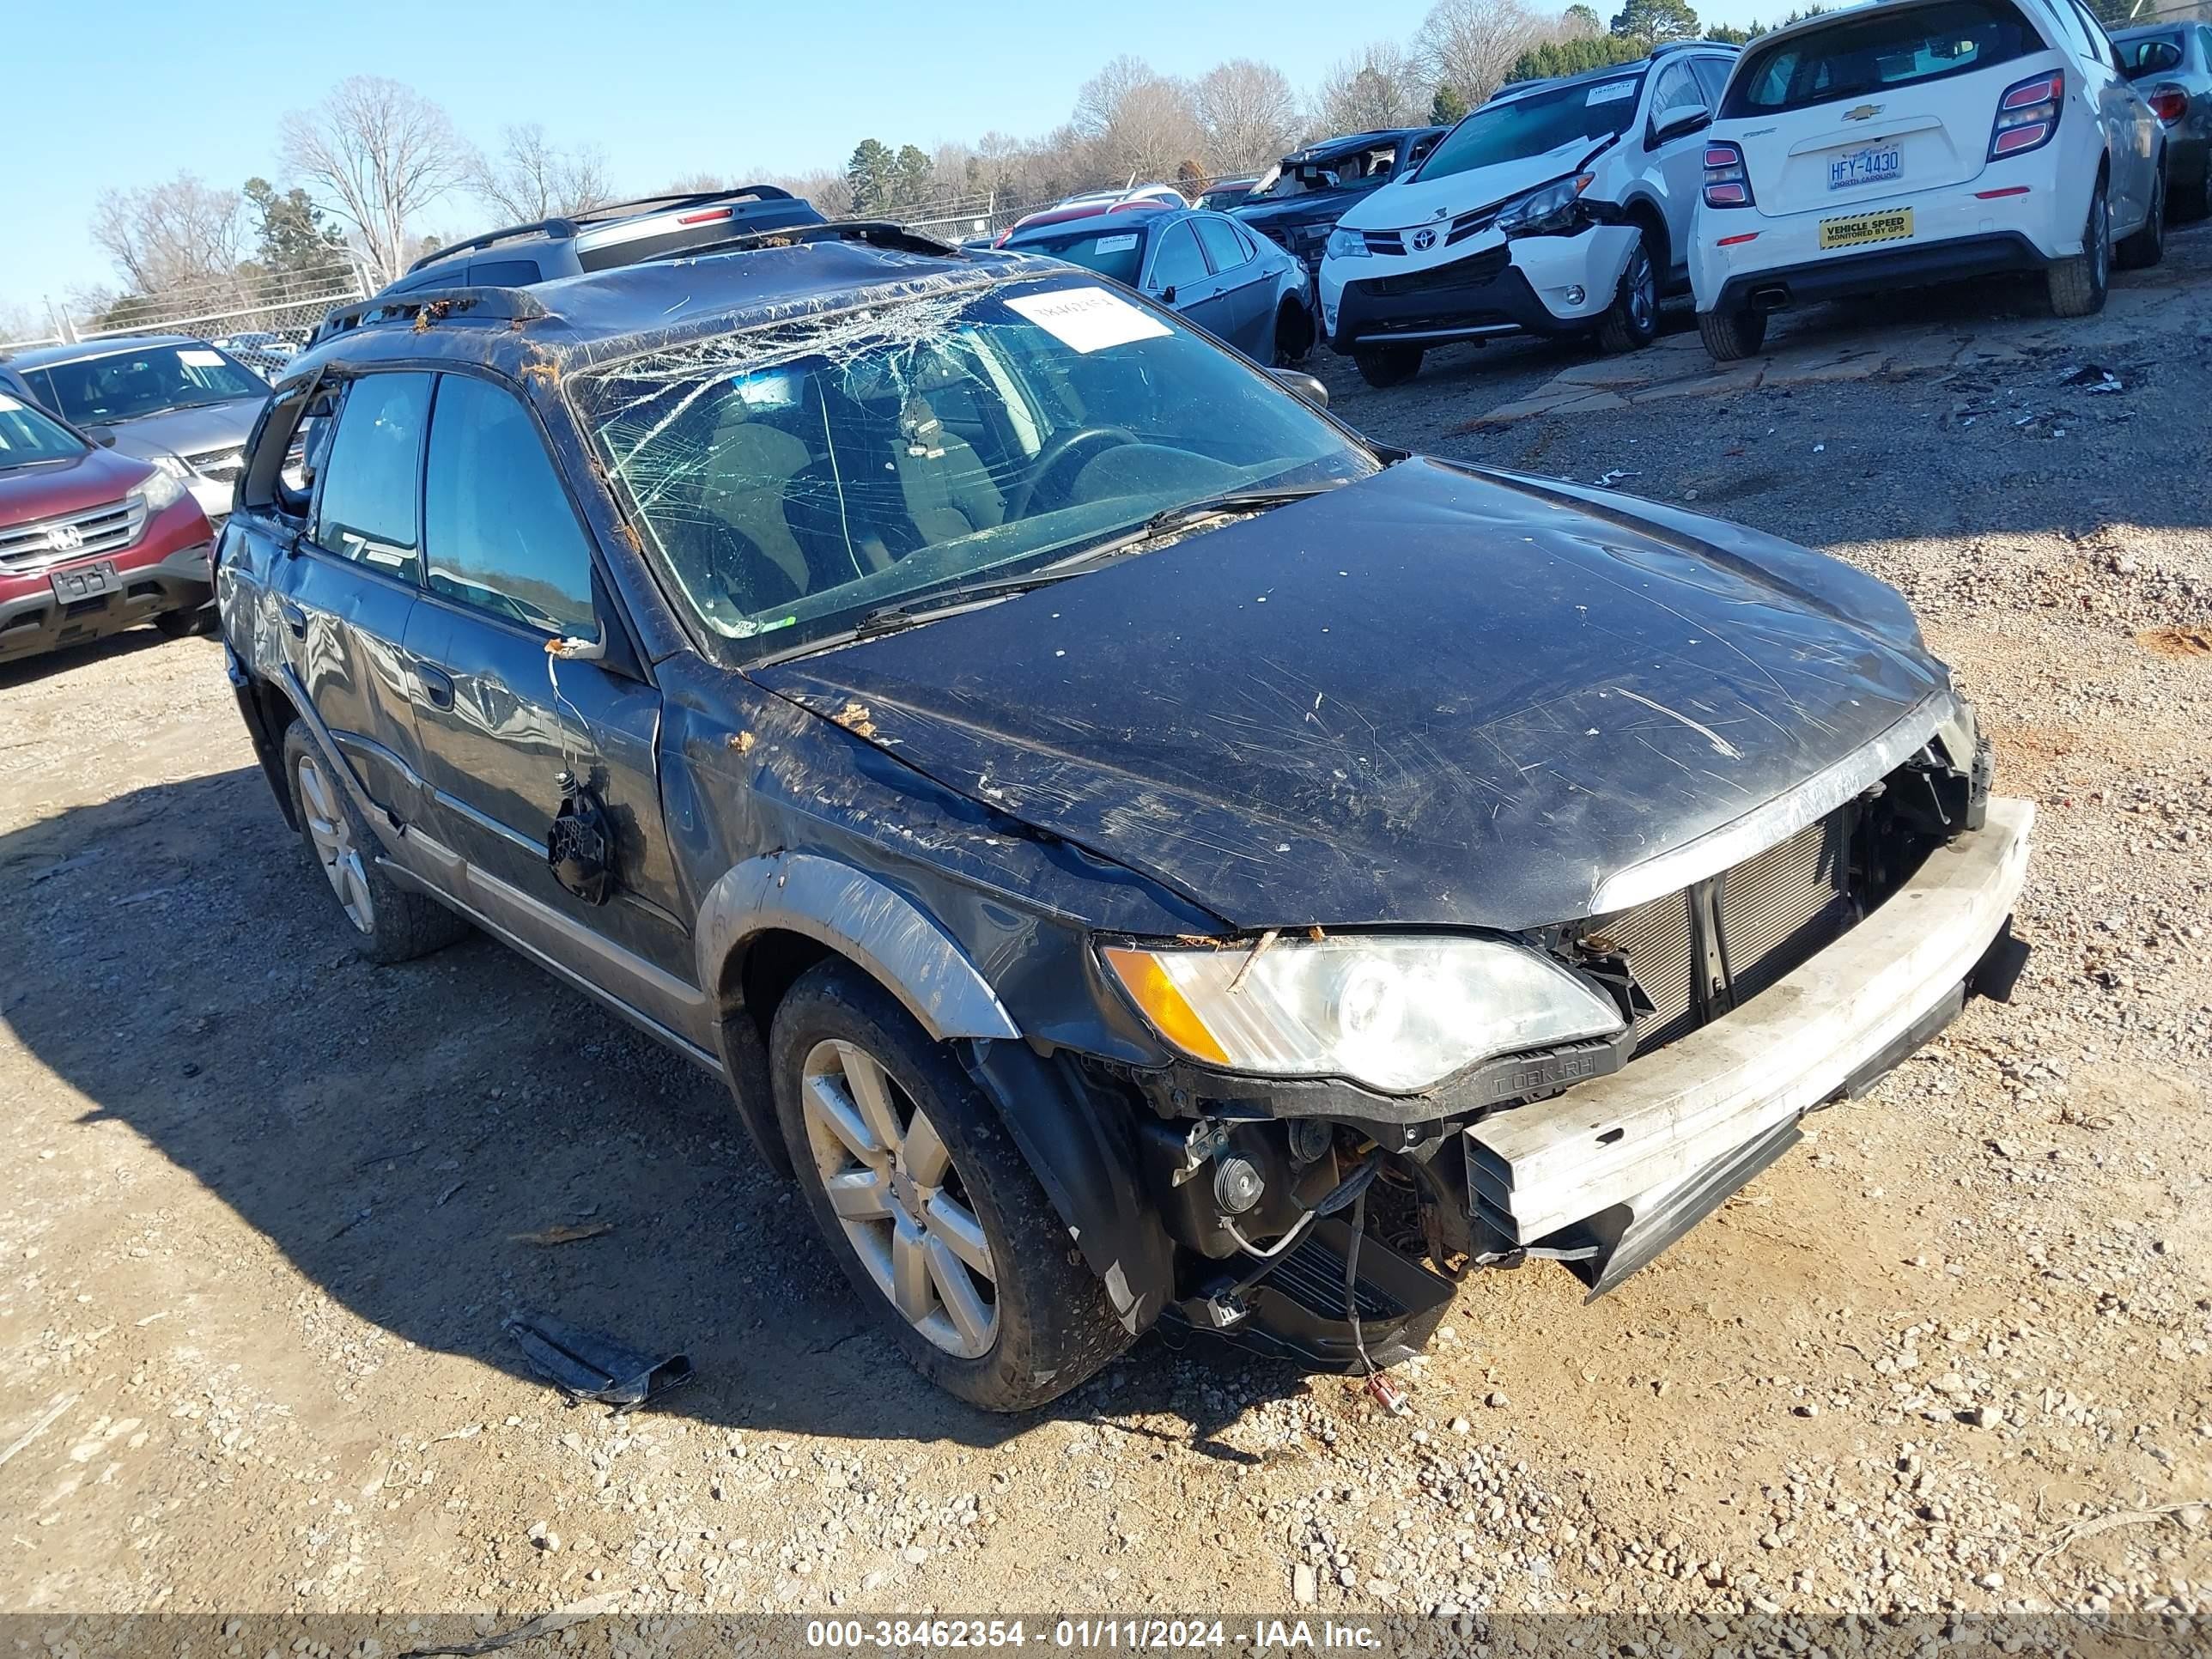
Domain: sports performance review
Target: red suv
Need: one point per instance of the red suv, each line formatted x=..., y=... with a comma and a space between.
x=91, y=542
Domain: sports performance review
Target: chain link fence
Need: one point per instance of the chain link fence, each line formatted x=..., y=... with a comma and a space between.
x=262, y=321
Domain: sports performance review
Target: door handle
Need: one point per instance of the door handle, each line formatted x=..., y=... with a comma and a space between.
x=437, y=686
x=295, y=618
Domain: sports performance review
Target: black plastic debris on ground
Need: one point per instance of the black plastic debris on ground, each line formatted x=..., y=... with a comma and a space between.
x=585, y=1365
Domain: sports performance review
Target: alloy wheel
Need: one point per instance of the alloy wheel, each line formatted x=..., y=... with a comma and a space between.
x=330, y=833
x=1643, y=292
x=892, y=1185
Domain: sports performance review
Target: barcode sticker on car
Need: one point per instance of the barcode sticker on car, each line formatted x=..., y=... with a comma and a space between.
x=192, y=358
x=1116, y=244
x=1611, y=92
x=1088, y=319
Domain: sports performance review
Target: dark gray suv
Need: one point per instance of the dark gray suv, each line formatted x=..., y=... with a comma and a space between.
x=1134, y=849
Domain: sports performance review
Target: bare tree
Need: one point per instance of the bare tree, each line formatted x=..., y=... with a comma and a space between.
x=1135, y=122
x=1249, y=114
x=375, y=153
x=1469, y=46
x=177, y=235
x=1380, y=87
x=532, y=178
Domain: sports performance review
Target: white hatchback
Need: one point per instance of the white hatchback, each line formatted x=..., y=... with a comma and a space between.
x=1911, y=141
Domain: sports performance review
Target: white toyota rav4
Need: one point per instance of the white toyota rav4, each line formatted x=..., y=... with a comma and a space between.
x=1559, y=207
x=1911, y=141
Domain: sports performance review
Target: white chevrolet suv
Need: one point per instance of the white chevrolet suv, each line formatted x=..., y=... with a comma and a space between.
x=1911, y=141
x=1559, y=207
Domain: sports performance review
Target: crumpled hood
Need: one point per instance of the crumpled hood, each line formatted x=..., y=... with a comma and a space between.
x=1434, y=697
x=1321, y=207
x=1427, y=200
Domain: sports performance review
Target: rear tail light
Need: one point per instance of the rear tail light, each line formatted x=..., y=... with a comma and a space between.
x=2027, y=114
x=1727, y=185
x=2171, y=102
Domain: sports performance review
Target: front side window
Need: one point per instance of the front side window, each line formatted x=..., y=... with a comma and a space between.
x=1876, y=49
x=366, y=510
x=126, y=386
x=29, y=437
x=1566, y=120
x=498, y=530
x=1676, y=88
x=791, y=479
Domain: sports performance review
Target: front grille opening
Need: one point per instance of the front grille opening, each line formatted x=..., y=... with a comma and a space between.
x=1715, y=946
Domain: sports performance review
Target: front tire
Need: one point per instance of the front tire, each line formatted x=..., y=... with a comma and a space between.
x=1389, y=366
x=2077, y=284
x=927, y=1204
x=390, y=924
x=1632, y=321
x=2148, y=245
x=1731, y=334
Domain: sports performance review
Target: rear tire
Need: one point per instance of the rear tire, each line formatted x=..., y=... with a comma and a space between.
x=939, y=1223
x=2195, y=201
x=2077, y=284
x=2148, y=245
x=186, y=623
x=389, y=923
x=1294, y=335
x=1731, y=334
x=1632, y=320
x=1389, y=366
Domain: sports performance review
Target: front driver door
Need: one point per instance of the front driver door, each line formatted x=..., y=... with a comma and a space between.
x=508, y=568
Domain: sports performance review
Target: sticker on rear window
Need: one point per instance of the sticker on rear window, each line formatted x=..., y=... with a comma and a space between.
x=8, y=404
x=1116, y=244
x=1611, y=92
x=200, y=359
x=1088, y=319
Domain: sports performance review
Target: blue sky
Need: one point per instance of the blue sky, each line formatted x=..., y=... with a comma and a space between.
x=664, y=89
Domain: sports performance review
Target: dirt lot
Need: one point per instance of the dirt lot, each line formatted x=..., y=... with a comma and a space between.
x=262, y=1206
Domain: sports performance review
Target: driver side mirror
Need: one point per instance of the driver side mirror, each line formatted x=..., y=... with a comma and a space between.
x=2153, y=57
x=1167, y=295
x=1679, y=122
x=102, y=435
x=1305, y=386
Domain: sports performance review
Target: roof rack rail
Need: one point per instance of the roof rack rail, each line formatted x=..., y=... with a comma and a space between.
x=571, y=224
x=499, y=304
x=877, y=233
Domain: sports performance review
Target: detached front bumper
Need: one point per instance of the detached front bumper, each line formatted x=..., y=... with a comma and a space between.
x=1609, y=1174
x=1548, y=285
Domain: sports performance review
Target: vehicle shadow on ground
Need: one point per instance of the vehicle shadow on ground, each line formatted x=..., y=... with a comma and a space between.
x=71, y=658
x=399, y=1135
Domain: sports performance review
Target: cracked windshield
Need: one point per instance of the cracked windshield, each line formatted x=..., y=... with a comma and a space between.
x=797, y=477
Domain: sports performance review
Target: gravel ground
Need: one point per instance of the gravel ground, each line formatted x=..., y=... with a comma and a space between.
x=264, y=1205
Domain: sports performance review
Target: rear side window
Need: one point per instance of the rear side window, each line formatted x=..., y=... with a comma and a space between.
x=1877, y=50
x=1178, y=261
x=500, y=534
x=1222, y=248
x=367, y=509
x=1712, y=76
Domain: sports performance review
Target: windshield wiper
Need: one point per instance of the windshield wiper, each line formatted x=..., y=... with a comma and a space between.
x=889, y=618
x=1237, y=501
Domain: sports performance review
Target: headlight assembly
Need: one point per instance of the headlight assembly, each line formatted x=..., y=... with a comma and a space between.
x=1399, y=1015
x=166, y=487
x=1545, y=211
x=1347, y=245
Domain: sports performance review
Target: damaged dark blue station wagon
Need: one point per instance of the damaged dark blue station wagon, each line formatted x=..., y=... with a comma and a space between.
x=1133, y=849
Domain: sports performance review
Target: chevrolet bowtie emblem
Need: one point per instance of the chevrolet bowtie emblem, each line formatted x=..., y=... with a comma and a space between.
x=1863, y=112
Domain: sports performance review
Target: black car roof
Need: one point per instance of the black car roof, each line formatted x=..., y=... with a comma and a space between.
x=575, y=321
x=1351, y=141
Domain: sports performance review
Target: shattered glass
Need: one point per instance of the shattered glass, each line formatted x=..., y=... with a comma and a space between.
x=794, y=475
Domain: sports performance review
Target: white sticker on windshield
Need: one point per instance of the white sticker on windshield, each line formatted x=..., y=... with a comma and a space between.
x=1088, y=319
x=192, y=358
x=1612, y=91
x=1116, y=244
x=8, y=404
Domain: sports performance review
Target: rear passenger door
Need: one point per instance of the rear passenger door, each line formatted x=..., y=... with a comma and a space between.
x=346, y=595
x=1246, y=297
x=508, y=568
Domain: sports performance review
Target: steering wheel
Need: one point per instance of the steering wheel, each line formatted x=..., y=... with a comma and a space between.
x=1069, y=453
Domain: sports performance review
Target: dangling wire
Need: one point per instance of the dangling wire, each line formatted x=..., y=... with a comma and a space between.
x=555, y=650
x=1351, y=1279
